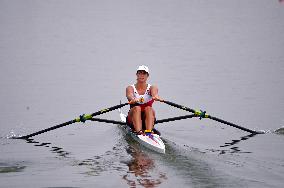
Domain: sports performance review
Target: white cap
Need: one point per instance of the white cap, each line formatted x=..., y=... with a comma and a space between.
x=143, y=68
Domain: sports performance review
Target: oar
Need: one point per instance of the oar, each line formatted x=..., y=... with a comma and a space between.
x=82, y=118
x=202, y=114
x=175, y=118
x=108, y=121
x=119, y=123
x=156, y=122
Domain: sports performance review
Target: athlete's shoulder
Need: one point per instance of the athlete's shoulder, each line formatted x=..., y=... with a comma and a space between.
x=153, y=87
x=130, y=88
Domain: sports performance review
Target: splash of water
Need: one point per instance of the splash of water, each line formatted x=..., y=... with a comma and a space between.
x=277, y=131
x=265, y=131
x=12, y=135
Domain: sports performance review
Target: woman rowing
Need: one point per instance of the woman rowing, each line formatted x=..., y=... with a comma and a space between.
x=141, y=96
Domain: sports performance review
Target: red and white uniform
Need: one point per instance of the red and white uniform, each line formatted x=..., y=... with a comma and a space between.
x=145, y=99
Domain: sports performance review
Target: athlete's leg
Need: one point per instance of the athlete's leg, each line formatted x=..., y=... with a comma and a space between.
x=149, y=117
x=135, y=117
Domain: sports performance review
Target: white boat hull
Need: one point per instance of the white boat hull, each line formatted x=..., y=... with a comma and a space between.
x=152, y=141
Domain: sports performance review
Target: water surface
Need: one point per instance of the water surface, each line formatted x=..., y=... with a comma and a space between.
x=60, y=59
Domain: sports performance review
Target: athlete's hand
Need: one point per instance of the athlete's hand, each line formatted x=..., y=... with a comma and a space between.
x=134, y=101
x=157, y=98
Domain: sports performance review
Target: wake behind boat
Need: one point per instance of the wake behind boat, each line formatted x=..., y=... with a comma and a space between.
x=151, y=141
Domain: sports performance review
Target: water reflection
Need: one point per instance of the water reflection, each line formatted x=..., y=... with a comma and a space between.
x=134, y=165
x=8, y=167
x=138, y=167
x=190, y=164
x=108, y=162
x=141, y=169
x=234, y=149
x=58, y=150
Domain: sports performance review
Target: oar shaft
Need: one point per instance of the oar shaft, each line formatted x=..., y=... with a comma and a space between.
x=108, y=109
x=175, y=118
x=233, y=125
x=48, y=129
x=108, y=121
x=179, y=106
x=211, y=117
x=156, y=122
x=85, y=117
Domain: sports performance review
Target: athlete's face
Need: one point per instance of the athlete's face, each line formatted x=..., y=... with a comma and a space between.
x=142, y=76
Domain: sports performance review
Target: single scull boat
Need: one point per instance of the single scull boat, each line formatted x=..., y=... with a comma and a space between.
x=151, y=141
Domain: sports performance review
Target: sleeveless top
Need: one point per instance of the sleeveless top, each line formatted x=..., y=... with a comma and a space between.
x=144, y=100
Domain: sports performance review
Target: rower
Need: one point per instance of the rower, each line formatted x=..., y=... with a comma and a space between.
x=141, y=116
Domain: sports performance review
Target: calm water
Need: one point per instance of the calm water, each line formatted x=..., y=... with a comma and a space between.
x=60, y=59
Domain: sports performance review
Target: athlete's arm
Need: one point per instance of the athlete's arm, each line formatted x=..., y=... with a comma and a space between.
x=129, y=95
x=154, y=93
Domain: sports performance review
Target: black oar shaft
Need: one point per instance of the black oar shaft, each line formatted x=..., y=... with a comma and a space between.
x=175, y=118
x=179, y=106
x=48, y=129
x=73, y=121
x=233, y=125
x=156, y=122
x=108, y=121
x=108, y=109
x=211, y=117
